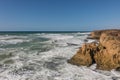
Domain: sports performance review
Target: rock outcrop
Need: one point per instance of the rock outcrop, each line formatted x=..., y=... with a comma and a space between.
x=85, y=55
x=106, y=53
x=109, y=57
x=96, y=34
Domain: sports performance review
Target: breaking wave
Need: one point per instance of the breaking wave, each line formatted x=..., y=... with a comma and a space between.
x=43, y=56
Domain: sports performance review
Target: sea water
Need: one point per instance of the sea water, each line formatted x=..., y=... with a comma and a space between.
x=44, y=55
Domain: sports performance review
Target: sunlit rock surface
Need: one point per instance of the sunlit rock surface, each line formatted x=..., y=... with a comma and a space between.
x=85, y=55
x=106, y=54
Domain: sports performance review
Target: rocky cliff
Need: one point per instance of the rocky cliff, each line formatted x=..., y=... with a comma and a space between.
x=105, y=53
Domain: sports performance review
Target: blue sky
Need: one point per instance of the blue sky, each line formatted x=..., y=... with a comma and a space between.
x=59, y=15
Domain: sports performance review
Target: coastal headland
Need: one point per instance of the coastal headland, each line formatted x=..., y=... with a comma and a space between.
x=105, y=53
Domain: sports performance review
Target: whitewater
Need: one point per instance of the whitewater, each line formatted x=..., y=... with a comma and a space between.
x=43, y=56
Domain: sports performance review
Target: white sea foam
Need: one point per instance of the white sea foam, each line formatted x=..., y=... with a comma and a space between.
x=13, y=41
x=52, y=64
x=86, y=33
x=58, y=36
x=6, y=39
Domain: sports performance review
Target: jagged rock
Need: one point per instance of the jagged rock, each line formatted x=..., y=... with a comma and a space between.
x=104, y=60
x=109, y=57
x=84, y=56
x=106, y=54
x=107, y=36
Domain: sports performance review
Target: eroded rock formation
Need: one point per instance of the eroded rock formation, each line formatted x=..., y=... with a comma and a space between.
x=108, y=58
x=106, y=53
x=85, y=55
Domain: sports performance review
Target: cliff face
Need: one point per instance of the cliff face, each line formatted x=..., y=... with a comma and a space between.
x=106, y=54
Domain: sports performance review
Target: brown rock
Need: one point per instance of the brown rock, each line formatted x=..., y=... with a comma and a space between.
x=107, y=36
x=109, y=57
x=96, y=34
x=84, y=56
x=104, y=60
x=106, y=54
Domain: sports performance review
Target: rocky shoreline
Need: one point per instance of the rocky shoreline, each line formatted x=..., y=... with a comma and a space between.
x=105, y=53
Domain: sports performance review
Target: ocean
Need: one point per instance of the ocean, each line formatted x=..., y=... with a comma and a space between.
x=44, y=55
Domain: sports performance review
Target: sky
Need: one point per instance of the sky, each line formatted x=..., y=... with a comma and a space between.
x=59, y=15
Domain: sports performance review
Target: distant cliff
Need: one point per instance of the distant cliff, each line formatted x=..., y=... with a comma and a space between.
x=105, y=53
